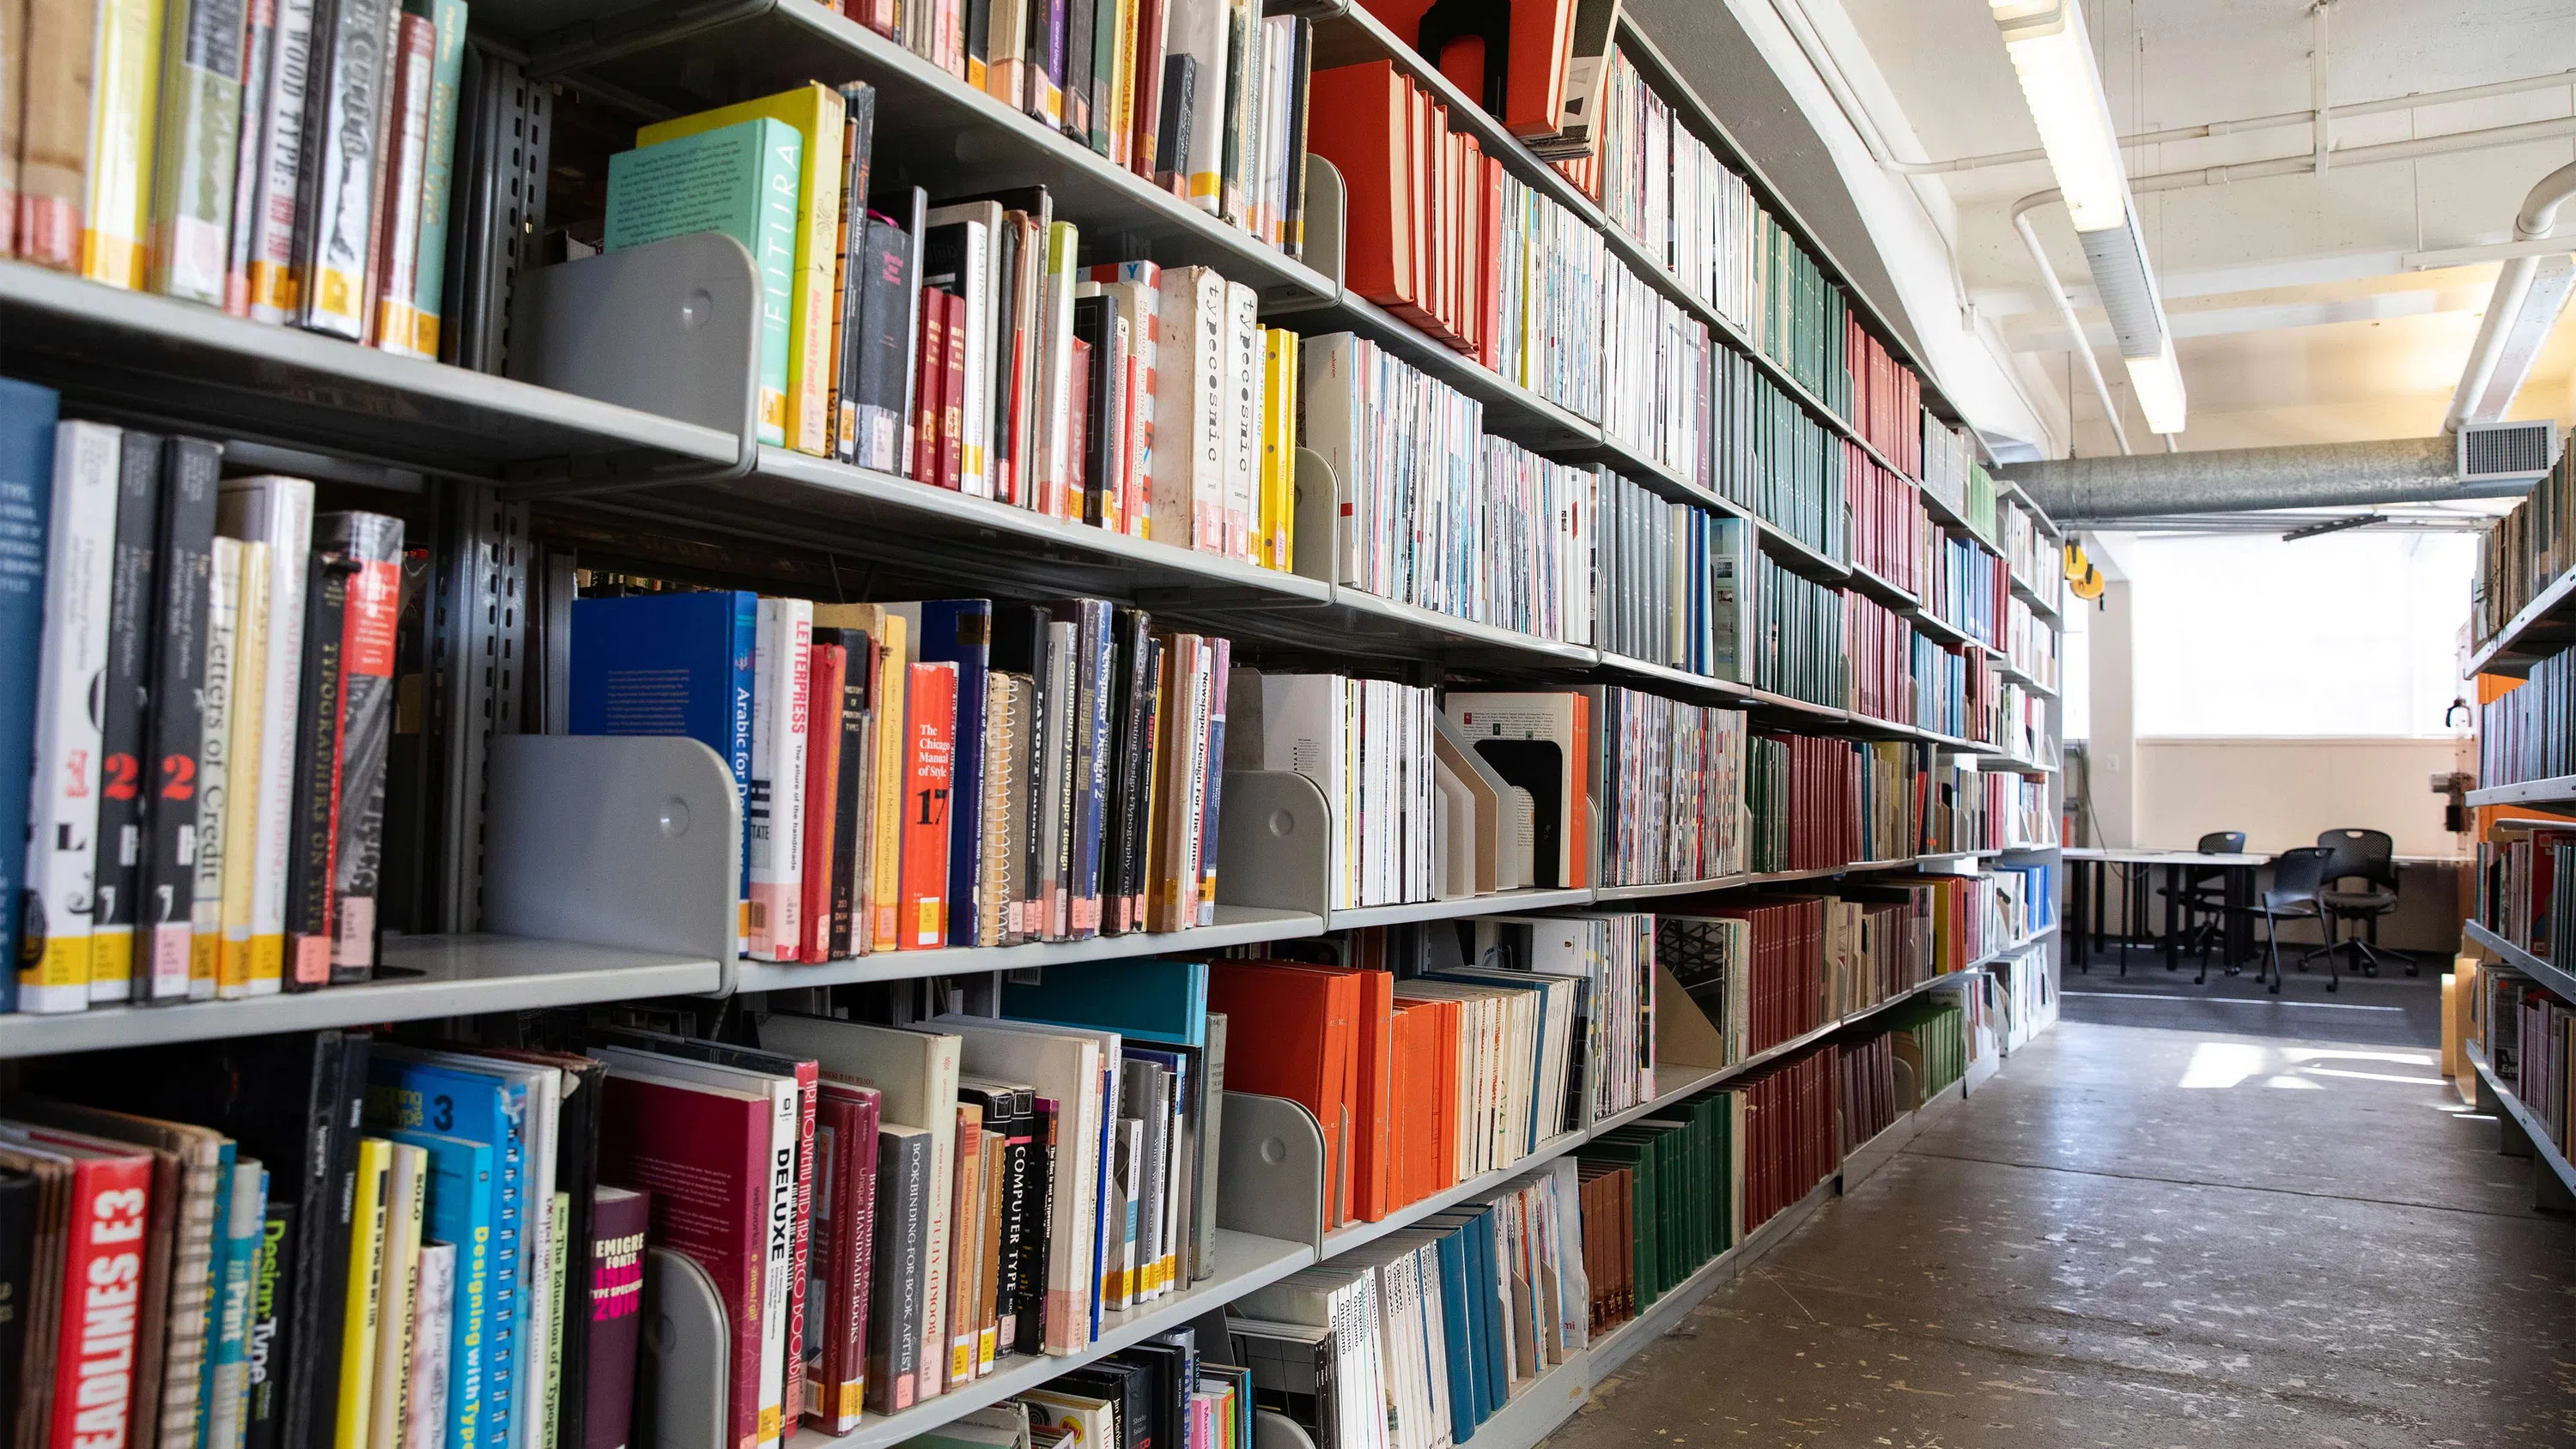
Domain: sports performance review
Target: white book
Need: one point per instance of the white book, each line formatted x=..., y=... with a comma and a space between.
x=777, y=1270
x=244, y=764
x=782, y=677
x=277, y=512
x=974, y=282
x=1197, y=29
x=1189, y=378
x=1242, y=421
x=1139, y=306
x=434, y=1297
x=214, y=765
x=1063, y=242
x=406, y=1193
x=62, y=809
x=281, y=139
x=916, y=1073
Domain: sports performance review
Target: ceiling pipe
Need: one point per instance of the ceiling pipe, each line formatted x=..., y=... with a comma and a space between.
x=2237, y=480
x=2322, y=115
x=2513, y=286
x=2082, y=346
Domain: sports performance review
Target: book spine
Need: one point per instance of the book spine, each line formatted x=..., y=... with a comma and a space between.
x=822, y=839
x=616, y=1301
x=228, y=1382
x=800, y=1252
x=902, y=1236
x=166, y=904
x=335, y=211
x=94, y=1349
x=394, y=322
x=273, y=1283
x=53, y=136
x=200, y=129
x=312, y=825
x=124, y=722
x=373, y=545
x=125, y=102
x=63, y=814
x=930, y=732
x=432, y=1362
x=438, y=176
x=259, y=49
x=364, y=1298
x=278, y=514
x=215, y=777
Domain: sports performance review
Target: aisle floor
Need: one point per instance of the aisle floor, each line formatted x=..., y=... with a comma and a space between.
x=2142, y=1237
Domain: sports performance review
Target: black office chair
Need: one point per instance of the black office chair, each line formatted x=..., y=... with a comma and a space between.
x=2203, y=895
x=2368, y=856
x=2298, y=885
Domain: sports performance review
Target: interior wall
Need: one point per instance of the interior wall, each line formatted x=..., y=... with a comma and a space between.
x=2281, y=792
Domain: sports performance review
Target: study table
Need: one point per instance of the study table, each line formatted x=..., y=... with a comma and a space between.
x=2087, y=868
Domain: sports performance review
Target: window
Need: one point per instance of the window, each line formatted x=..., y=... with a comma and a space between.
x=2349, y=634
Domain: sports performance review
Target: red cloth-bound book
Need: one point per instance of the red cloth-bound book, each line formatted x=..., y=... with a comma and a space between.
x=836, y=1372
x=930, y=385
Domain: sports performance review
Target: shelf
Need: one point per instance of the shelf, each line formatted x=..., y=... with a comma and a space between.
x=2555, y=790
x=931, y=128
x=2536, y=1131
x=1362, y=622
x=1793, y=554
x=2544, y=626
x=1246, y=1261
x=2005, y=667
x=1352, y=1235
x=423, y=977
x=1235, y=926
x=1942, y=630
x=2046, y=608
x=1501, y=903
x=1871, y=585
x=2560, y=983
x=162, y=363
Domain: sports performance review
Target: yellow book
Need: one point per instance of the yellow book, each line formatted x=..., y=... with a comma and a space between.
x=818, y=114
x=398, y=1270
x=361, y=1313
x=1278, y=507
x=126, y=76
x=242, y=773
x=214, y=769
x=1122, y=93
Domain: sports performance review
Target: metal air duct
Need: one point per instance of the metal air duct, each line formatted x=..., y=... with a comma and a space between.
x=2318, y=475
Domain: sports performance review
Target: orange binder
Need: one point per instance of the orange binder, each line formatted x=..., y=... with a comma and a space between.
x=930, y=726
x=1304, y=1050
x=1359, y=117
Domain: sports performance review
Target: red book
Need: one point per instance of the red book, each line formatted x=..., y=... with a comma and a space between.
x=952, y=397
x=702, y=1153
x=107, y=1242
x=618, y=1224
x=1078, y=503
x=930, y=383
x=1151, y=21
x=1360, y=118
x=845, y=1137
x=930, y=729
x=830, y=672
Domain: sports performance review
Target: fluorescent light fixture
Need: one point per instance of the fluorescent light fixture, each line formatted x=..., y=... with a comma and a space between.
x=2157, y=380
x=2049, y=51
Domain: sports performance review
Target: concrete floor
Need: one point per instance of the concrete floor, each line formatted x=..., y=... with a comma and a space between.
x=2139, y=1237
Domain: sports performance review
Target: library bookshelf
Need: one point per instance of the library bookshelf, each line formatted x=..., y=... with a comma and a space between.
x=550, y=870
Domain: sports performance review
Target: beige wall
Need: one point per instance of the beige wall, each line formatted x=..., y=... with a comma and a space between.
x=2281, y=792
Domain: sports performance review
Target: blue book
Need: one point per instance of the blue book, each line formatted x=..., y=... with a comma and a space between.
x=223, y=1405
x=960, y=632
x=462, y=1201
x=27, y=417
x=1467, y=1408
x=669, y=664
x=408, y=1094
x=1150, y=1000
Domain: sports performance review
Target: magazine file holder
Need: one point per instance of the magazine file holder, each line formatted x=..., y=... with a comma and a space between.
x=613, y=841
x=1275, y=835
x=1274, y=1430
x=686, y=1345
x=1270, y=1169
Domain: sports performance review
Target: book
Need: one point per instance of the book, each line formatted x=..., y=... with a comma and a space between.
x=781, y=729
x=900, y=1251
x=226, y=1402
x=437, y=181
x=615, y=1302
x=394, y=268
x=929, y=736
x=426, y=1420
x=372, y=543
x=54, y=971
x=346, y=89
x=742, y=181
x=841, y=1263
x=27, y=426
x=820, y=843
x=277, y=513
x=220, y=700
x=320, y=722
x=398, y=1314
x=199, y=126
x=125, y=798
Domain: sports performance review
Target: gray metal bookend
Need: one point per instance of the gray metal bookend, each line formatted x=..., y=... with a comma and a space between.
x=1270, y=1170
x=612, y=841
x=671, y=329
x=1319, y=517
x=681, y=1401
x=1325, y=209
x=1274, y=835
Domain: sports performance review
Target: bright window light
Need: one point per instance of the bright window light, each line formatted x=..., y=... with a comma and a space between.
x=2157, y=381
x=2055, y=62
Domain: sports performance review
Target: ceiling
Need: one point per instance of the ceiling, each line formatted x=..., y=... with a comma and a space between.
x=2295, y=317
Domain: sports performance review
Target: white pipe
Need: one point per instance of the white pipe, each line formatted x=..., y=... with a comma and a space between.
x=2323, y=119
x=2538, y=218
x=2082, y=347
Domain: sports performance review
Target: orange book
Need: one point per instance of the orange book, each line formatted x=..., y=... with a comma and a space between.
x=1423, y=1096
x=1446, y=1049
x=1360, y=118
x=1303, y=1051
x=1373, y=1113
x=930, y=742
x=830, y=672
x=1489, y=281
x=1578, y=813
x=1534, y=76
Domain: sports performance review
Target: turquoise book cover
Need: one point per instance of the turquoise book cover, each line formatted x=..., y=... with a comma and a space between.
x=739, y=181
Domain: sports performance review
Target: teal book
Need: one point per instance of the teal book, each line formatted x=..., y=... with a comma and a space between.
x=1156, y=1001
x=225, y=1402
x=739, y=181
x=463, y=1197
x=438, y=174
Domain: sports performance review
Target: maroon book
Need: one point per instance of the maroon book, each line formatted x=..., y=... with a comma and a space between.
x=618, y=1219
x=836, y=1298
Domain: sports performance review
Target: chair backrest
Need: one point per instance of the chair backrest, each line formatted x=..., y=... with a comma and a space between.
x=2222, y=842
x=2297, y=876
x=2368, y=854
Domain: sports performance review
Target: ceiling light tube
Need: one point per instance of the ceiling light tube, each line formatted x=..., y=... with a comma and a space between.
x=2055, y=62
x=2157, y=380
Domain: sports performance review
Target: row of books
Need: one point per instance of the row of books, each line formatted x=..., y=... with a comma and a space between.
x=2029, y=642
x=1889, y=528
x=2531, y=1044
x=953, y=772
x=1662, y=1196
x=1676, y=578
x=1769, y=969
x=1935, y=1034
x=293, y=166
x=198, y=707
x=1952, y=474
x=1965, y=587
x=1440, y=235
x=2014, y=813
x=1805, y=797
x=1434, y=512
x=1660, y=184
x=1939, y=680
x=2014, y=719
x=1866, y=1091
x=1657, y=399
x=2523, y=733
x=2522, y=894
x=1886, y=399
x=1800, y=646
x=1615, y=952
x=2025, y=900
x=1778, y=463
x=1204, y=98
x=2027, y=552
x=2526, y=551
x=1169, y=1389
x=1671, y=790
x=1418, y=1338
x=1881, y=659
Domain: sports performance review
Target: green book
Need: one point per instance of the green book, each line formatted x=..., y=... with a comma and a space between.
x=192, y=203
x=739, y=181
x=438, y=173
